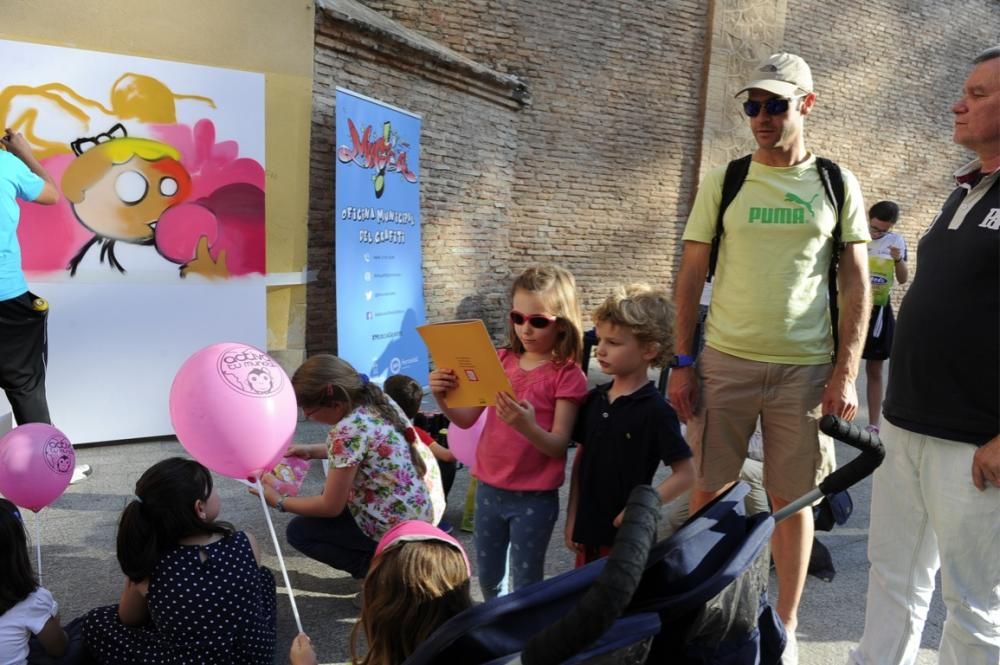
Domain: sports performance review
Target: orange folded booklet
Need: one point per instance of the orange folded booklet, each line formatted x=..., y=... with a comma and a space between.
x=465, y=347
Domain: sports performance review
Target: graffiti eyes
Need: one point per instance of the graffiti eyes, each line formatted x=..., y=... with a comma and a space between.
x=168, y=186
x=131, y=187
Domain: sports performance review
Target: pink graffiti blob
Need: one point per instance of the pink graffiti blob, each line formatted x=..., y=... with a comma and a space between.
x=50, y=235
x=226, y=205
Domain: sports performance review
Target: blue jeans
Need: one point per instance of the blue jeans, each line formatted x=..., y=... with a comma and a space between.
x=336, y=541
x=522, y=520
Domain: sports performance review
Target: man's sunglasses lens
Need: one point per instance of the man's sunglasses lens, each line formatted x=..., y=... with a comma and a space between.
x=775, y=106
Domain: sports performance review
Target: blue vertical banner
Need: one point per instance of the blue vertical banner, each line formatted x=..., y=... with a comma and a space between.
x=378, y=262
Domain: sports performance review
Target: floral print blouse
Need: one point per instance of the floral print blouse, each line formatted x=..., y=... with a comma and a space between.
x=387, y=488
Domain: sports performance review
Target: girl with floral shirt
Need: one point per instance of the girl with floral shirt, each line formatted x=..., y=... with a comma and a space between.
x=379, y=475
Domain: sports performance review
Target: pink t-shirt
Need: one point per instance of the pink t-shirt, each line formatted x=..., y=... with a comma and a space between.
x=504, y=458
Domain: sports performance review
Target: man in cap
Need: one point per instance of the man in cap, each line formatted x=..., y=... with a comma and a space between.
x=769, y=343
x=936, y=498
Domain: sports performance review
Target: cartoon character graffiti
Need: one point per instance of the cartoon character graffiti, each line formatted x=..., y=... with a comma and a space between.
x=119, y=186
x=192, y=200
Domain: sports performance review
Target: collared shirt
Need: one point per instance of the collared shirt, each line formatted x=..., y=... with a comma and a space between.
x=622, y=443
x=943, y=377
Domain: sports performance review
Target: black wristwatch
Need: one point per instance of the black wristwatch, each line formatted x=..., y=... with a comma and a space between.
x=280, y=505
x=681, y=361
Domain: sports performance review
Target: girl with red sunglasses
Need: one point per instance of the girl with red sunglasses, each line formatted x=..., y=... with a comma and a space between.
x=521, y=456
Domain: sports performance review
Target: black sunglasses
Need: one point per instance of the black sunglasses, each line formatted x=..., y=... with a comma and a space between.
x=773, y=106
x=536, y=320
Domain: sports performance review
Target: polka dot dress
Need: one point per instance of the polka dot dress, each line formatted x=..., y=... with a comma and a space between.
x=209, y=604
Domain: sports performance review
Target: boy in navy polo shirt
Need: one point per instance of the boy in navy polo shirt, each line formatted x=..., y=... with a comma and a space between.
x=625, y=428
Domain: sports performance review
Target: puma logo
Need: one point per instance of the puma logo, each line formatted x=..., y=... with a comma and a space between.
x=792, y=198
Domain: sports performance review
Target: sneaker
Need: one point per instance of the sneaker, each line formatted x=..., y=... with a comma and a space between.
x=872, y=429
x=446, y=526
x=790, y=656
x=80, y=472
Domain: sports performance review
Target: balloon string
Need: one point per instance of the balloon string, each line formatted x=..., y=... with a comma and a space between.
x=38, y=547
x=281, y=559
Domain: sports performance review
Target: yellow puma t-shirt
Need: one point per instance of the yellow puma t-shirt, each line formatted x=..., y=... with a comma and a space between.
x=769, y=301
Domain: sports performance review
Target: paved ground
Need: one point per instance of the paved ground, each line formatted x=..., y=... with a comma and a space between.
x=79, y=566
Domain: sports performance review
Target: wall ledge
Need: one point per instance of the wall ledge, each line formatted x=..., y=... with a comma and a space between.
x=349, y=27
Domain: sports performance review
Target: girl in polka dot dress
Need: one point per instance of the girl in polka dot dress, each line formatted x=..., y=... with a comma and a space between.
x=194, y=590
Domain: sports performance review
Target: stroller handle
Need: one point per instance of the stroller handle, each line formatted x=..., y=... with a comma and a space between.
x=862, y=466
x=610, y=593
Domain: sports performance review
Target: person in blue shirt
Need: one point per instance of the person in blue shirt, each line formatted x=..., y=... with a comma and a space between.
x=23, y=346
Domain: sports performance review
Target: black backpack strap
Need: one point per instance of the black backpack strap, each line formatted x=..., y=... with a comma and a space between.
x=833, y=184
x=736, y=173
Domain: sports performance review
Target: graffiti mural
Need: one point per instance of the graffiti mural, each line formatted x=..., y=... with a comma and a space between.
x=134, y=175
x=157, y=246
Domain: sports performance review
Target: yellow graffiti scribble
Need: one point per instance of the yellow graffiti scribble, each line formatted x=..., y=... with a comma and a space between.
x=143, y=98
x=133, y=97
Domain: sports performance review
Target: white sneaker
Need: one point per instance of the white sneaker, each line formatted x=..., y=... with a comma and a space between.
x=790, y=656
x=80, y=472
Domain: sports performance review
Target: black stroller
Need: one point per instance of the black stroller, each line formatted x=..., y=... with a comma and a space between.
x=699, y=596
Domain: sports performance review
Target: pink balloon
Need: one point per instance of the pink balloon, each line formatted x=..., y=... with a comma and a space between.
x=233, y=409
x=463, y=442
x=36, y=465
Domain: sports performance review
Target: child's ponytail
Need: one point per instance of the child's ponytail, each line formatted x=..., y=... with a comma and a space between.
x=378, y=400
x=161, y=513
x=137, y=546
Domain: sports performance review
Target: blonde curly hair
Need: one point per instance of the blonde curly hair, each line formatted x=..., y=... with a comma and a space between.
x=647, y=312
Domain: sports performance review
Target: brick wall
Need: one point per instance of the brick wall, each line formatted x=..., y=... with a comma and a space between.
x=599, y=170
x=467, y=150
x=596, y=173
x=887, y=90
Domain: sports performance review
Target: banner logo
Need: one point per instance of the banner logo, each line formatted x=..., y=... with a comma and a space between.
x=385, y=154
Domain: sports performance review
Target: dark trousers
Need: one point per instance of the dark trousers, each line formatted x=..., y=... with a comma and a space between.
x=23, y=354
x=336, y=541
x=76, y=651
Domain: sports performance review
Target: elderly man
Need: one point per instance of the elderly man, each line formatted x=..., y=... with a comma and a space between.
x=936, y=498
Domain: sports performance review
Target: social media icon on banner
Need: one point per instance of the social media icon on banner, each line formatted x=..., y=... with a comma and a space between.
x=369, y=295
x=370, y=315
x=368, y=277
x=367, y=257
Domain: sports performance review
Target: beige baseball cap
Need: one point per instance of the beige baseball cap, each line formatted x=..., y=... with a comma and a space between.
x=783, y=74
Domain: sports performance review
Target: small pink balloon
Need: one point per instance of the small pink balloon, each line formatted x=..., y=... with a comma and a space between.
x=36, y=465
x=233, y=408
x=463, y=442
